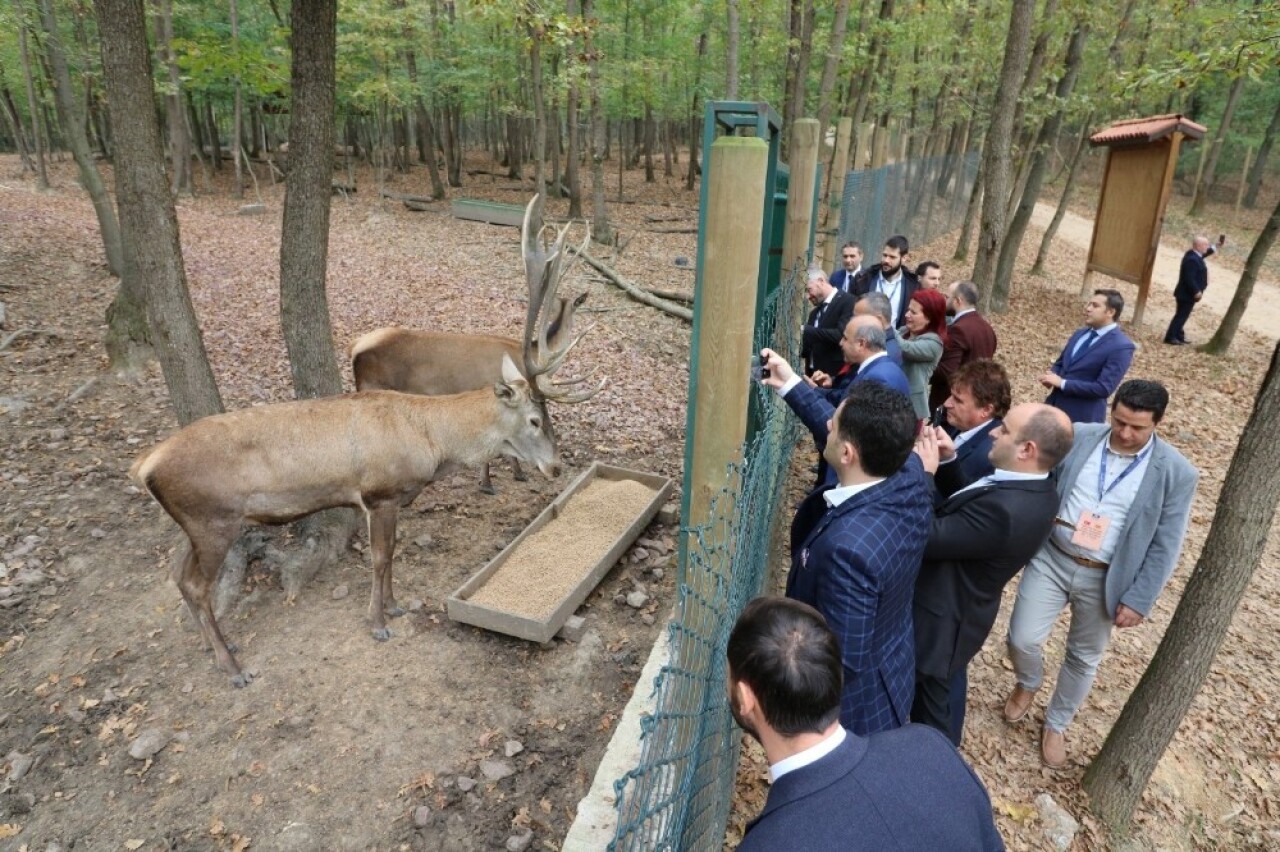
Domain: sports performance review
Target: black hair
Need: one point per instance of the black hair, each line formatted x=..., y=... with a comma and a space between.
x=1115, y=302
x=880, y=423
x=898, y=242
x=1142, y=395
x=784, y=650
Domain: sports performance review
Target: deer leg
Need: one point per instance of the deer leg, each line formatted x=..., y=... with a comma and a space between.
x=519, y=474
x=199, y=575
x=382, y=545
x=486, y=485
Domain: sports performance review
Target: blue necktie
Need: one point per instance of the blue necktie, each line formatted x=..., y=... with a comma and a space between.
x=1084, y=344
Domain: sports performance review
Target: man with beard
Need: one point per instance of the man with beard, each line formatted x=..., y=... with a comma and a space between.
x=889, y=277
x=830, y=789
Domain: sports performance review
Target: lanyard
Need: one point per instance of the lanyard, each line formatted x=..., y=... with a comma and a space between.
x=1102, y=469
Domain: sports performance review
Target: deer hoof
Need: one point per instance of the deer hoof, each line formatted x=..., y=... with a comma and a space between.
x=395, y=611
x=521, y=477
x=487, y=489
x=382, y=634
x=242, y=679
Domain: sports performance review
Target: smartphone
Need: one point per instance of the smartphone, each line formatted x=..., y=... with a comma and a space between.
x=938, y=417
x=758, y=370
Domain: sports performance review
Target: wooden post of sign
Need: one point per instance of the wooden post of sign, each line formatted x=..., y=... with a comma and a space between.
x=835, y=193
x=804, y=177
x=724, y=324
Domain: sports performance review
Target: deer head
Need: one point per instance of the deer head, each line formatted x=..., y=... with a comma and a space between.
x=548, y=336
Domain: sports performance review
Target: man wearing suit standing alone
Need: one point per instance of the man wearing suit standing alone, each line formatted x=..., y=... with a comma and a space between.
x=969, y=338
x=1125, y=496
x=856, y=549
x=1092, y=363
x=820, y=336
x=832, y=791
x=980, y=538
x=1193, y=279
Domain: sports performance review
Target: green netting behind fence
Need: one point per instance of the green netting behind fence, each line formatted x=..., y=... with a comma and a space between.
x=922, y=199
x=678, y=795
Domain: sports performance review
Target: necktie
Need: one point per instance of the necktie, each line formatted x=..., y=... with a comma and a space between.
x=1084, y=344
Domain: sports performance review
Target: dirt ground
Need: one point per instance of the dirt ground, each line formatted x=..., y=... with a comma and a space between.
x=341, y=742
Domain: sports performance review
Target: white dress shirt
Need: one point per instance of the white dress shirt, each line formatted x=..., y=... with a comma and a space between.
x=812, y=754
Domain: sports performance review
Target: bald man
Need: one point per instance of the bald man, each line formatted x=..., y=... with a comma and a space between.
x=980, y=539
x=1193, y=279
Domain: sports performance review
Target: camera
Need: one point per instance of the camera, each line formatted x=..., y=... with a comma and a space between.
x=758, y=370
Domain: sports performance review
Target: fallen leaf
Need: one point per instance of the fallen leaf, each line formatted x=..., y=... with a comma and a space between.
x=133, y=844
x=9, y=829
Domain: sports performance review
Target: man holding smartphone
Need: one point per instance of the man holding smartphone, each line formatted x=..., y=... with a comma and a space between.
x=1193, y=280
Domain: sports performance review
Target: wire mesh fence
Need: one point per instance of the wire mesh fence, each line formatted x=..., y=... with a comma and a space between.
x=921, y=199
x=678, y=795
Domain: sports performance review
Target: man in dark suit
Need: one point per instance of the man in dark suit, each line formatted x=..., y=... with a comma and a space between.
x=820, y=335
x=890, y=277
x=832, y=791
x=1093, y=362
x=981, y=537
x=980, y=395
x=969, y=338
x=850, y=265
x=1193, y=279
x=877, y=305
x=856, y=548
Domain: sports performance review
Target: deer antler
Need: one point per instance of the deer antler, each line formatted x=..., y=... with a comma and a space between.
x=544, y=263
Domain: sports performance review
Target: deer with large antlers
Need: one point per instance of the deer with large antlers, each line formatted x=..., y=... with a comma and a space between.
x=433, y=363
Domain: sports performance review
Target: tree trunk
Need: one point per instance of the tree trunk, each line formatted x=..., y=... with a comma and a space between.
x=42, y=174
x=1072, y=169
x=826, y=87
x=426, y=133
x=695, y=115
x=179, y=140
x=15, y=122
x=860, y=84
x=572, y=170
x=1208, y=178
x=74, y=131
x=304, y=234
x=999, y=299
x=970, y=213
x=539, y=101
x=600, y=230
x=649, y=142
x=211, y=132
x=1226, y=332
x=802, y=30
x=237, y=122
x=731, y=41
x=995, y=150
x=1232, y=553
x=1259, y=167
x=147, y=219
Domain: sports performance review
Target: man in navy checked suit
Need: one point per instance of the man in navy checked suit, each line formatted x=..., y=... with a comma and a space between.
x=830, y=790
x=856, y=549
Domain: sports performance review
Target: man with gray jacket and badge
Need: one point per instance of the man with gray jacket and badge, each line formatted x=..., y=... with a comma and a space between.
x=1125, y=497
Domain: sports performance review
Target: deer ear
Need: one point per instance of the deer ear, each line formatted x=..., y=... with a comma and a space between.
x=504, y=391
x=510, y=372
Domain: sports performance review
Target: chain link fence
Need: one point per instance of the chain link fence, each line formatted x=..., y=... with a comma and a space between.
x=921, y=199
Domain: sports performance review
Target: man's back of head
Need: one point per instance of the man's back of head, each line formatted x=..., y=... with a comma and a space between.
x=880, y=424
x=963, y=296
x=1033, y=439
x=783, y=650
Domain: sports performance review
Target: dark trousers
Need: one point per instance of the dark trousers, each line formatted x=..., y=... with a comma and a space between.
x=1175, y=334
x=939, y=703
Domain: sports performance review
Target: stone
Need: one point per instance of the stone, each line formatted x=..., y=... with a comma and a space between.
x=188, y=687
x=297, y=836
x=19, y=764
x=647, y=619
x=149, y=742
x=573, y=628
x=496, y=770
x=422, y=816
x=98, y=532
x=340, y=591
x=29, y=577
x=512, y=748
x=1059, y=826
x=12, y=405
x=251, y=210
x=640, y=554
x=466, y=784
x=669, y=514
x=423, y=540
x=658, y=573
x=415, y=604
x=520, y=842
x=620, y=599
x=635, y=600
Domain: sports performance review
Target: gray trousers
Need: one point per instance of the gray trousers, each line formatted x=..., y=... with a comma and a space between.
x=1049, y=583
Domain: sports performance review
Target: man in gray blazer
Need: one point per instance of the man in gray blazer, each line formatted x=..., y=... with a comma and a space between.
x=1125, y=499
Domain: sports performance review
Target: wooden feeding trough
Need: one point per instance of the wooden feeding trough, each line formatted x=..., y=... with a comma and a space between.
x=530, y=589
x=488, y=211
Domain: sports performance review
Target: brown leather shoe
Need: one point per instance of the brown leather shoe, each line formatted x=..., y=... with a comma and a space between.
x=1053, y=748
x=1019, y=703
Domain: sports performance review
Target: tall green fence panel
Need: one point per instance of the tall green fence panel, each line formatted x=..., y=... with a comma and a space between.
x=921, y=199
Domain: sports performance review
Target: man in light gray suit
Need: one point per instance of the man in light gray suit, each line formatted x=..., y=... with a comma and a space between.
x=1125, y=499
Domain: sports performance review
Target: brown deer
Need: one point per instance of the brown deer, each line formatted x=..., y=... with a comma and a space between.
x=433, y=363
x=373, y=450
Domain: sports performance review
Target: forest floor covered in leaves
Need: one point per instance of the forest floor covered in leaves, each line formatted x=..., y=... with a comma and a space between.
x=345, y=743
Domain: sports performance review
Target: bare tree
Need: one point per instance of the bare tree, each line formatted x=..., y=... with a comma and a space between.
x=148, y=223
x=1232, y=553
x=179, y=138
x=1209, y=176
x=1259, y=167
x=1221, y=340
x=995, y=150
x=732, y=38
x=826, y=86
x=42, y=174
x=601, y=231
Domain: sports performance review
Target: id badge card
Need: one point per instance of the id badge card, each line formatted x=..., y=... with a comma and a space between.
x=1091, y=528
